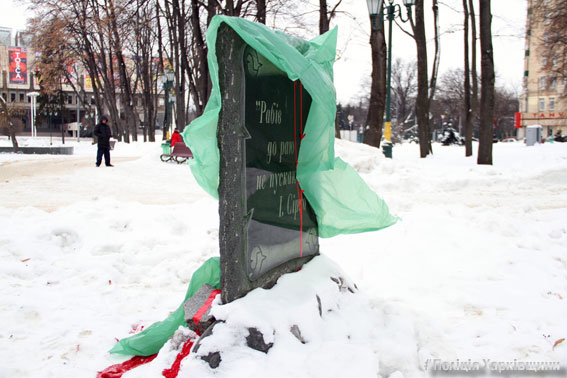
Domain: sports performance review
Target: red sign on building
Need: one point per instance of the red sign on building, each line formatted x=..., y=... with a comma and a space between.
x=518, y=120
x=18, y=65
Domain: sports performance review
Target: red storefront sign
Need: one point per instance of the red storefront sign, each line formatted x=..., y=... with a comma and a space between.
x=549, y=115
x=518, y=120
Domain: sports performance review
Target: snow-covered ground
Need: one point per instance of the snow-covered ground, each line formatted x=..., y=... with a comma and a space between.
x=476, y=270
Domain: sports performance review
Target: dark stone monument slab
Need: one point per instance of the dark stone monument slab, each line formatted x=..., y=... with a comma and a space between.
x=267, y=227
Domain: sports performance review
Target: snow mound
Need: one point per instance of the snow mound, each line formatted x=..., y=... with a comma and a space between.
x=317, y=320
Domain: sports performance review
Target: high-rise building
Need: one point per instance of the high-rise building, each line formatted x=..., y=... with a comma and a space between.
x=542, y=101
x=5, y=36
x=23, y=39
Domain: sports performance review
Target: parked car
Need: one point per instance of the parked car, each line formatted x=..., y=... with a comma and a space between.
x=508, y=140
x=86, y=131
x=451, y=136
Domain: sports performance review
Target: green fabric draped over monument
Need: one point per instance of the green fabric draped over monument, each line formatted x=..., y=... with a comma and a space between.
x=342, y=201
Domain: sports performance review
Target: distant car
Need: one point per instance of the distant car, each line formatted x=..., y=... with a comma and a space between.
x=451, y=136
x=508, y=140
x=86, y=131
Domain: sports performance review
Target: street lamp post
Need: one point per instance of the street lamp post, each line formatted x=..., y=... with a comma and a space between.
x=51, y=113
x=89, y=114
x=376, y=10
x=33, y=97
x=167, y=79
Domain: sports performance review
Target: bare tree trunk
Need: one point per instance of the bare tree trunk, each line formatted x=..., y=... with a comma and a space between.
x=376, y=105
x=467, y=95
x=323, y=19
x=144, y=66
x=261, y=9
x=323, y=28
x=474, y=73
x=182, y=63
x=126, y=93
x=199, y=81
x=422, y=101
x=487, y=85
x=15, y=145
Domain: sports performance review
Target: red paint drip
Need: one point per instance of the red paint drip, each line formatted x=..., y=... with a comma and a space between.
x=174, y=369
x=299, y=191
x=116, y=371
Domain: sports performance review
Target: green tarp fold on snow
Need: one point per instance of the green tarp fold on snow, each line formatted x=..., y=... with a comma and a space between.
x=150, y=340
x=342, y=201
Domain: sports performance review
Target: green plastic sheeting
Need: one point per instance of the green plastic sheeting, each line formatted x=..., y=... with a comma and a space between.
x=342, y=201
x=151, y=340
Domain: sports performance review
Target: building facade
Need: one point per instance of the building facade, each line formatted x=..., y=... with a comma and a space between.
x=543, y=100
x=18, y=83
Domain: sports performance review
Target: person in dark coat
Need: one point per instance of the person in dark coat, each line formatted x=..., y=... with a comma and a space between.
x=102, y=133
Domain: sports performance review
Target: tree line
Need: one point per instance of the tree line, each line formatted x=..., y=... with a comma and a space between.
x=426, y=83
x=100, y=34
x=124, y=46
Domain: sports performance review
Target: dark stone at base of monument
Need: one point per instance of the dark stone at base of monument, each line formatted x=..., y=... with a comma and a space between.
x=295, y=331
x=194, y=305
x=213, y=358
x=342, y=284
x=255, y=340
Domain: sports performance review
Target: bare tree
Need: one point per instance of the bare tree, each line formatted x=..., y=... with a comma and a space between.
x=261, y=11
x=403, y=92
x=422, y=101
x=8, y=125
x=326, y=15
x=117, y=43
x=145, y=29
x=506, y=104
x=376, y=105
x=487, y=85
x=199, y=82
x=467, y=110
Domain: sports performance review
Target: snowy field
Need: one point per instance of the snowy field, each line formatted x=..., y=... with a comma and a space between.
x=476, y=271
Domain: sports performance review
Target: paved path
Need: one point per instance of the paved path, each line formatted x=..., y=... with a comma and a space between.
x=51, y=182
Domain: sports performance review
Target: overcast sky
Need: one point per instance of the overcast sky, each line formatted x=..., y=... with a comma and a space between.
x=353, y=66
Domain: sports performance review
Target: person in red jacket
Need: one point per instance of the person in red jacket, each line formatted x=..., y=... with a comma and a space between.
x=175, y=137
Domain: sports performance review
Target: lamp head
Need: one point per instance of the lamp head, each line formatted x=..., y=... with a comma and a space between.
x=375, y=6
x=409, y=3
x=169, y=74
